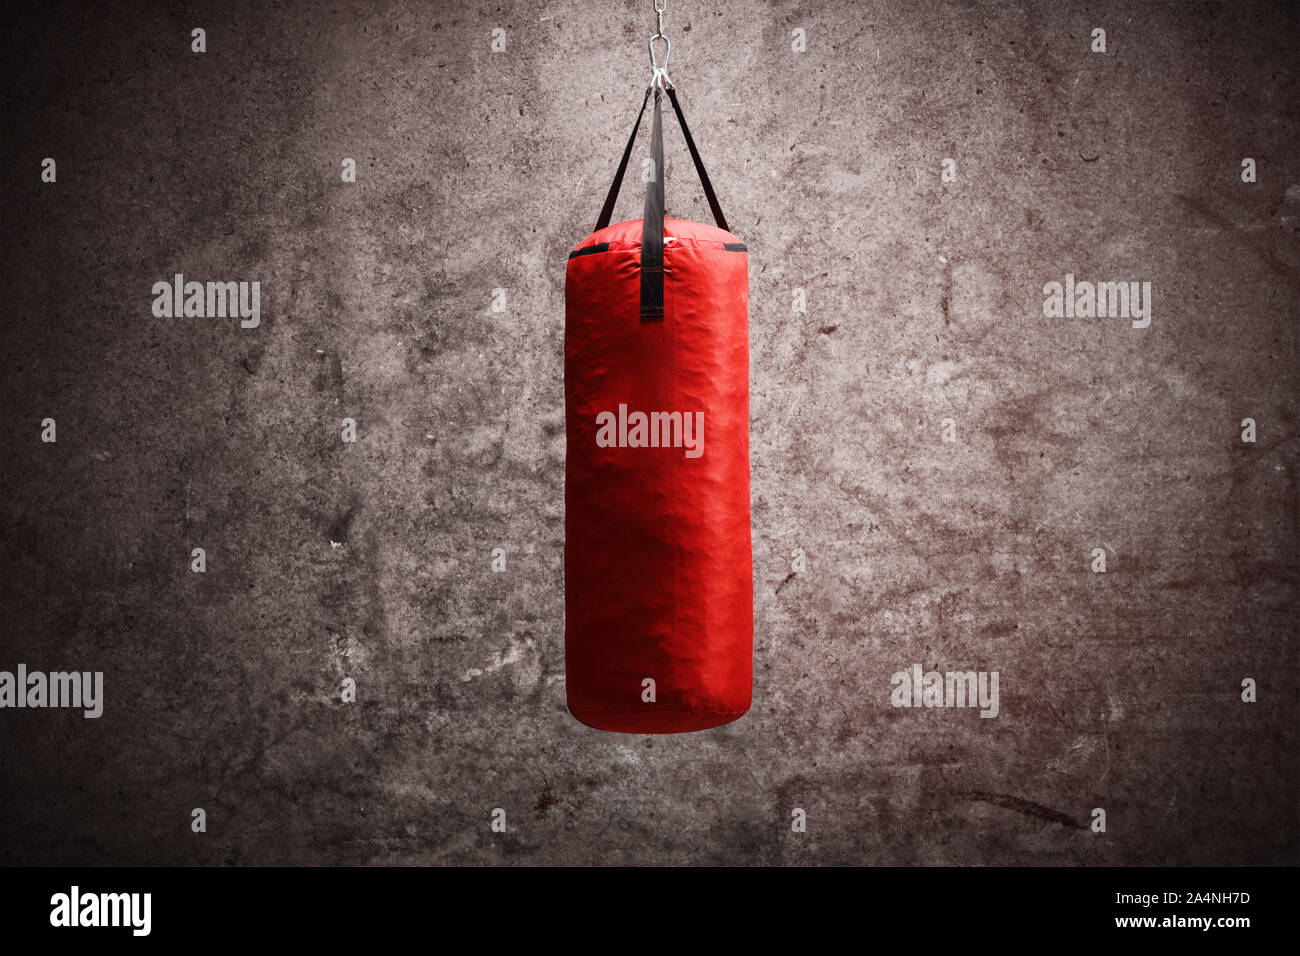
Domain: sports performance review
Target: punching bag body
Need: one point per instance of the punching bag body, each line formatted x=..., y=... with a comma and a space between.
x=658, y=566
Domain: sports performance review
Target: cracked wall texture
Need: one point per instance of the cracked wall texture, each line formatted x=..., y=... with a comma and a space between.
x=479, y=171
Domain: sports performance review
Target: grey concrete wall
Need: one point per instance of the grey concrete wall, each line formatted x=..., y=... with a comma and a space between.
x=480, y=170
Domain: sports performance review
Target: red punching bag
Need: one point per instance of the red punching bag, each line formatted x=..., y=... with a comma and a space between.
x=658, y=594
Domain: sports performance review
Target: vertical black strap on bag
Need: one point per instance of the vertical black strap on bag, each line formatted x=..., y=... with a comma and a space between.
x=652, y=225
x=652, y=220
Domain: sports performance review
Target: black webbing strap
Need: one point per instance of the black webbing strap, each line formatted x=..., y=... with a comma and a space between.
x=608, y=209
x=652, y=221
x=652, y=225
x=699, y=163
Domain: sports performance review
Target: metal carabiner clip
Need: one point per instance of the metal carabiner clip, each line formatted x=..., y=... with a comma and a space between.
x=660, y=70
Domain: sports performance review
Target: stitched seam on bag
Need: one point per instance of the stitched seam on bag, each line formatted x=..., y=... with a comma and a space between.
x=665, y=710
x=623, y=245
x=673, y=462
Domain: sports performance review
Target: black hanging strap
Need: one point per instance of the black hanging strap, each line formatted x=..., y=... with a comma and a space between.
x=699, y=164
x=652, y=221
x=652, y=225
x=608, y=209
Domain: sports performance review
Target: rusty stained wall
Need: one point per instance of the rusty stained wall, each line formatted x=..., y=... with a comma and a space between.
x=480, y=170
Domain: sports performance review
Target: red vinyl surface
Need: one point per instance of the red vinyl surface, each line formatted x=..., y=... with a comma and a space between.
x=658, y=565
